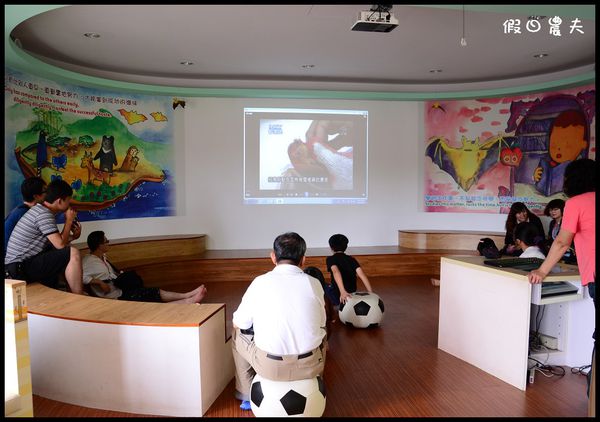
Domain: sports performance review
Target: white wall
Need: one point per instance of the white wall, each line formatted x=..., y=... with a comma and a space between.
x=209, y=172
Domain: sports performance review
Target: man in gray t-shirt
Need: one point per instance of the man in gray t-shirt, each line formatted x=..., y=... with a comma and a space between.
x=37, y=251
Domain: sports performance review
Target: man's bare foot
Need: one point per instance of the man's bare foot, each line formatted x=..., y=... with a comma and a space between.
x=196, y=290
x=195, y=298
x=201, y=292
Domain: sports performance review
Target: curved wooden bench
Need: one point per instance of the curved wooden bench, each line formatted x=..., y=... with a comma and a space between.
x=137, y=357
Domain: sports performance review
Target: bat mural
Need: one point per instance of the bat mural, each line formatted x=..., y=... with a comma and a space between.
x=482, y=155
x=467, y=163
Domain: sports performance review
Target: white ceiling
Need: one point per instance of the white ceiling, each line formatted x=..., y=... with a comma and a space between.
x=265, y=46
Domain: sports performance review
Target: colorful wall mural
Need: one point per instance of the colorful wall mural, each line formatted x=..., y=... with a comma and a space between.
x=482, y=155
x=114, y=149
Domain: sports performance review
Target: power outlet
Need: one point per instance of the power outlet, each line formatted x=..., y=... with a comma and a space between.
x=549, y=341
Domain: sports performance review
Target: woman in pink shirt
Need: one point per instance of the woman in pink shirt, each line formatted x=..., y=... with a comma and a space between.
x=578, y=224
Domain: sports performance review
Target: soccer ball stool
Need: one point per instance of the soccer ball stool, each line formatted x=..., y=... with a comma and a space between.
x=287, y=398
x=362, y=310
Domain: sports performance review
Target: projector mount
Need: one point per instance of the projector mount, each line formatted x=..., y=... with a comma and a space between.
x=381, y=8
x=377, y=19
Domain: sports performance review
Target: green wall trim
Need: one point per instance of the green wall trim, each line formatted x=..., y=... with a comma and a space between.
x=18, y=59
x=581, y=11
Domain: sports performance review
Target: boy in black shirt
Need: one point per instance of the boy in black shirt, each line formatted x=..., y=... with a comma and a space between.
x=344, y=269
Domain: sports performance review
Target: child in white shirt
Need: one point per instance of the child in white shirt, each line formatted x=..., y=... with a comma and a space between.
x=529, y=239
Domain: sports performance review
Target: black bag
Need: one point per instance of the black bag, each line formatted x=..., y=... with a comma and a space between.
x=487, y=248
x=128, y=280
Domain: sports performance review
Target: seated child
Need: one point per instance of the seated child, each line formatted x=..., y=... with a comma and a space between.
x=343, y=269
x=329, y=315
x=529, y=239
x=519, y=213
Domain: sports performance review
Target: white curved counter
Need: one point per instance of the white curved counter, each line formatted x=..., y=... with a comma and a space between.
x=485, y=318
x=149, y=358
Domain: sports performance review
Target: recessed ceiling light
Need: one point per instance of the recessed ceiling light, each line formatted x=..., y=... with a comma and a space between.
x=186, y=63
x=308, y=66
x=92, y=35
x=540, y=56
x=435, y=71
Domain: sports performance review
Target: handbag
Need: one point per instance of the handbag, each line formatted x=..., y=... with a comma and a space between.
x=488, y=248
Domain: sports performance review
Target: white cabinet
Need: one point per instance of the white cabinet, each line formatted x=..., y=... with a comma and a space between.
x=569, y=318
x=486, y=314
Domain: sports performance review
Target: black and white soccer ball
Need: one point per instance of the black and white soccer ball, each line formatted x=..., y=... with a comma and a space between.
x=287, y=398
x=362, y=310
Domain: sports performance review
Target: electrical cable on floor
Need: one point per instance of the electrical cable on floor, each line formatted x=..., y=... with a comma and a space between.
x=547, y=370
x=581, y=370
x=536, y=363
x=541, y=348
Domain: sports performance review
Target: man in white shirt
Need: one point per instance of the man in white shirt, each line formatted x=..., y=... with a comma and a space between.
x=279, y=327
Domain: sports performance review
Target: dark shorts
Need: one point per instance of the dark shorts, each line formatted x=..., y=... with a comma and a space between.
x=331, y=294
x=47, y=266
x=141, y=294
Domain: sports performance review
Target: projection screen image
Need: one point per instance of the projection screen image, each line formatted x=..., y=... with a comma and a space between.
x=305, y=156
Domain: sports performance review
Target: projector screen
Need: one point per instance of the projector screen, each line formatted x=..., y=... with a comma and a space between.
x=305, y=156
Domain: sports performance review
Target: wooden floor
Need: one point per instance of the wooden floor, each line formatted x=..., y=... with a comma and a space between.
x=395, y=370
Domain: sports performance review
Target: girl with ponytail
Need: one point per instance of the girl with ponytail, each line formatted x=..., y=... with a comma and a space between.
x=530, y=240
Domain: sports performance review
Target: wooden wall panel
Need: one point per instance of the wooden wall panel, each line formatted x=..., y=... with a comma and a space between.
x=175, y=260
x=132, y=251
x=203, y=270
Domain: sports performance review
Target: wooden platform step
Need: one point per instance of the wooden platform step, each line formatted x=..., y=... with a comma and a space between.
x=446, y=239
x=209, y=267
x=175, y=259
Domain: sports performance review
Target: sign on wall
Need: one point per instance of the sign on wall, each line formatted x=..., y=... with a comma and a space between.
x=482, y=155
x=114, y=149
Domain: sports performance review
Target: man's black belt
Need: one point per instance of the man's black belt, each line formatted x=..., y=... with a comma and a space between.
x=301, y=356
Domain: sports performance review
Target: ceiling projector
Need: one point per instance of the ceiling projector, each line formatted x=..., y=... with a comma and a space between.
x=375, y=21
